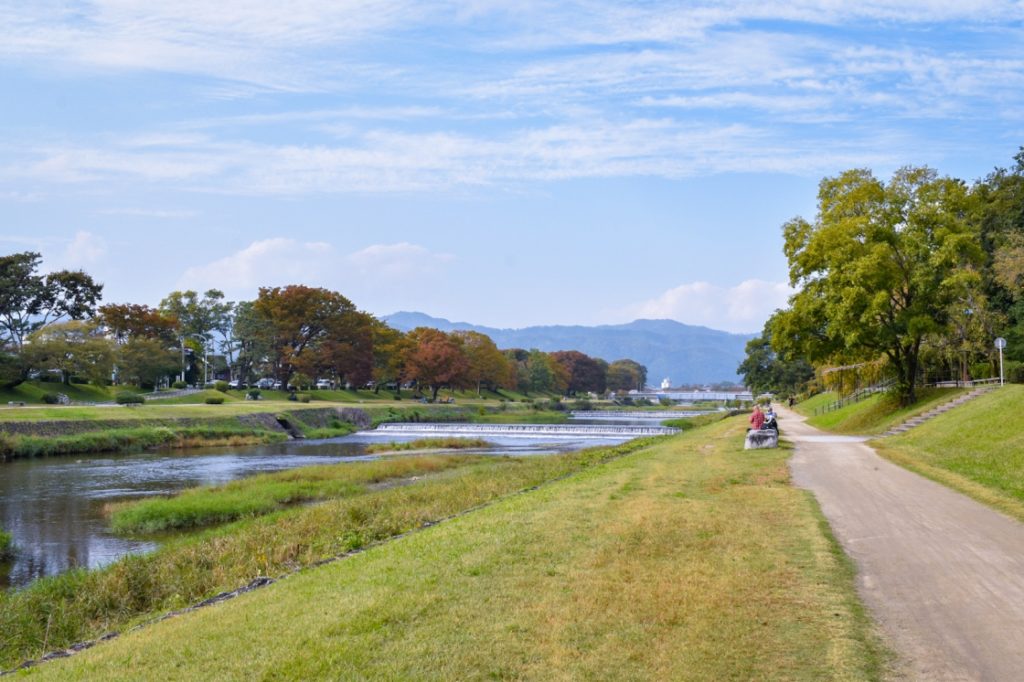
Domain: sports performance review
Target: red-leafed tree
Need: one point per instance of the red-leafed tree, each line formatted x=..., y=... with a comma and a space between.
x=583, y=372
x=314, y=331
x=435, y=359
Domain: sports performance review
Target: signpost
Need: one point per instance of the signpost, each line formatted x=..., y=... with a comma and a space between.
x=1000, y=344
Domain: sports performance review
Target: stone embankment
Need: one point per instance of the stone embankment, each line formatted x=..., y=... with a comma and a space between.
x=317, y=417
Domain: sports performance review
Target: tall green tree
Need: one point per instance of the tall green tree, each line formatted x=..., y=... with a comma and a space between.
x=881, y=267
x=76, y=348
x=30, y=301
x=764, y=371
x=144, y=361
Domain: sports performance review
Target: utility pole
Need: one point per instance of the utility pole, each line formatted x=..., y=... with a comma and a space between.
x=1000, y=344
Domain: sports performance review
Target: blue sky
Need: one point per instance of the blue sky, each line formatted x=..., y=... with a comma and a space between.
x=504, y=163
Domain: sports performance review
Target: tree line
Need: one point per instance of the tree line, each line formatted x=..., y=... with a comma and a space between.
x=908, y=280
x=294, y=334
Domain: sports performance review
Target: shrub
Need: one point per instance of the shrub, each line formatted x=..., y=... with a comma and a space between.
x=398, y=396
x=214, y=399
x=6, y=545
x=129, y=399
x=1014, y=374
x=254, y=394
x=51, y=398
x=304, y=398
x=221, y=386
x=179, y=384
x=583, y=405
x=556, y=405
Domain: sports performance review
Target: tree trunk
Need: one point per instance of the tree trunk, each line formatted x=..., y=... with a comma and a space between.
x=434, y=389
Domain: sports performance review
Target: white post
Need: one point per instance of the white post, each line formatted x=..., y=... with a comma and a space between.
x=1000, y=344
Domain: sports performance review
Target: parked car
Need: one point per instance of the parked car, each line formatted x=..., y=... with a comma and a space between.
x=324, y=384
x=267, y=382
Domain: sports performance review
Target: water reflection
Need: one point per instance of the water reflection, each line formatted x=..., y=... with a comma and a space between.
x=54, y=506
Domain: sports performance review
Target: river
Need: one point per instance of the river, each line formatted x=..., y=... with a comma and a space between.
x=54, y=507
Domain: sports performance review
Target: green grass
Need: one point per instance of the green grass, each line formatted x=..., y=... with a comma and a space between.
x=530, y=417
x=6, y=545
x=266, y=493
x=157, y=409
x=977, y=448
x=32, y=392
x=807, y=407
x=194, y=398
x=139, y=438
x=59, y=611
x=880, y=412
x=687, y=423
x=452, y=443
x=687, y=560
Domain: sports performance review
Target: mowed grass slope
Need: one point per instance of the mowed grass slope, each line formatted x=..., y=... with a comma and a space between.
x=688, y=560
x=877, y=413
x=977, y=448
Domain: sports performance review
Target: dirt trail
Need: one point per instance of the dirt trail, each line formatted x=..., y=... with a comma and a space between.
x=941, y=573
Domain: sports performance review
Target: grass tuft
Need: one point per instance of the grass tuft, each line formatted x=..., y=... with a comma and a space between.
x=451, y=443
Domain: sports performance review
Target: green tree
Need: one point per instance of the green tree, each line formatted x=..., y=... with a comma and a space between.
x=878, y=270
x=486, y=364
x=76, y=348
x=29, y=301
x=144, y=361
x=626, y=375
x=763, y=371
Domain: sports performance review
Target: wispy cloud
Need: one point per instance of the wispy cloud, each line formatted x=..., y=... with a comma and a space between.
x=740, y=308
x=281, y=261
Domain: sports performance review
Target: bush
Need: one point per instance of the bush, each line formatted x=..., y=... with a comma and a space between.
x=254, y=394
x=398, y=396
x=583, y=405
x=6, y=545
x=214, y=399
x=129, y=399
x=221, y=386
x=179, y=385
x=1014, y=374
x=983, y=370
x=304, y=398
x=51, y=398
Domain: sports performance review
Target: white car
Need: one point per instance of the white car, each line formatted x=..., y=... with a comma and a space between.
x=325, y=384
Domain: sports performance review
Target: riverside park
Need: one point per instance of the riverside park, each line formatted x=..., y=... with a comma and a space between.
x=491, y=340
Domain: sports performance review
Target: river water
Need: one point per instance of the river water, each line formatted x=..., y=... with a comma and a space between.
x=54, y=507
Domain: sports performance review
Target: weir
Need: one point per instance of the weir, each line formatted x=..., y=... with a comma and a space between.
x=524, y=430
x=634, y=414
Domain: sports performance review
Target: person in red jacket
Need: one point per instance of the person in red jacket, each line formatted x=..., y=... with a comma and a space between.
x=757, y=418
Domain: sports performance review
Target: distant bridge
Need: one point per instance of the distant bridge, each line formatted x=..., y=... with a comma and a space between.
x=694, y=396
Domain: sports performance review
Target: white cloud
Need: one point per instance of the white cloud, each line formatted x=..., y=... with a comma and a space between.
x=740, y=308
x=282, y=261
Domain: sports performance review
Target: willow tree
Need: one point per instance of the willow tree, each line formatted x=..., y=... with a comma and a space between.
x=882, y=267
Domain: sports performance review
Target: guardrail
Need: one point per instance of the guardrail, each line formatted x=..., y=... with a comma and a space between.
x=854, y=397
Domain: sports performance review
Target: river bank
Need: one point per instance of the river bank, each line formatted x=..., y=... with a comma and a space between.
x=58, y=611
x=679, y=558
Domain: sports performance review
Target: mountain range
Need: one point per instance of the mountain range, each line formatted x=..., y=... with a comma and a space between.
x=682, y=353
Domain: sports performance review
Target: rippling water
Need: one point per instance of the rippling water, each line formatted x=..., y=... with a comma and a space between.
x=54, y=506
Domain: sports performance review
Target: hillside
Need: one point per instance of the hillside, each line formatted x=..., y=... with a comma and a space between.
x=684, y=353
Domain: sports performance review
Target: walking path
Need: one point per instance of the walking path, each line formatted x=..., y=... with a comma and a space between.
x=942, y=574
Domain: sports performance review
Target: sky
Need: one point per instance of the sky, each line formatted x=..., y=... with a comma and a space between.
x=497, y=162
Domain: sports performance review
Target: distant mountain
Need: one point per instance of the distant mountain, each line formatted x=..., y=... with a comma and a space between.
x=684, y=353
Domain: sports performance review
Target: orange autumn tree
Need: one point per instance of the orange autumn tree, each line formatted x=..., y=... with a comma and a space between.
x=435, y=359
x=316, y=332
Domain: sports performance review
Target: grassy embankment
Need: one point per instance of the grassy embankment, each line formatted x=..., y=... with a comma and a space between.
x=875, y=414
x=267, y=493
x=686, y=559
x=451, y=443
x=56, y=612
x=976, y=448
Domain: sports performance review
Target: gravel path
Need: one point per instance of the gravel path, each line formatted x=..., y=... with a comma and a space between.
x=942, y=574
